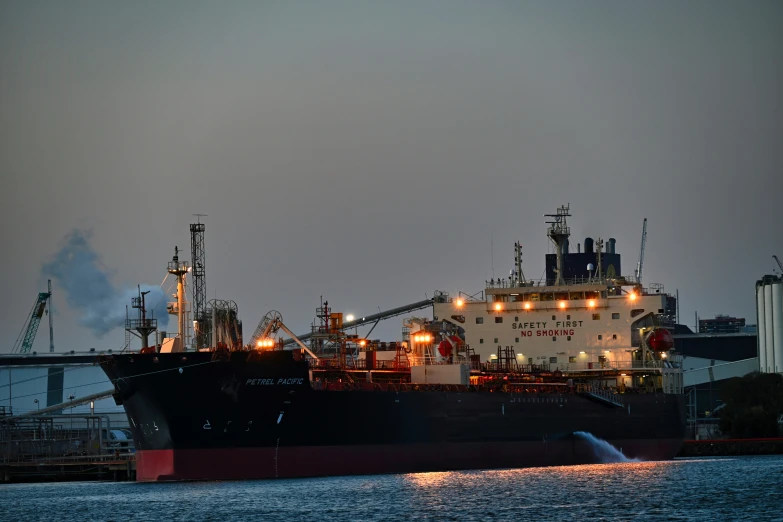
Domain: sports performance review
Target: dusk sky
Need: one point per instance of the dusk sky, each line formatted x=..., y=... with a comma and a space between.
x=371, y=152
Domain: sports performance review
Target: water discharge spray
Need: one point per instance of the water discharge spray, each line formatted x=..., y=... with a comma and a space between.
x=605, y=452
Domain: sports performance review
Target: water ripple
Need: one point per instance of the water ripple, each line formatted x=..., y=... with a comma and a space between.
x=747, y=488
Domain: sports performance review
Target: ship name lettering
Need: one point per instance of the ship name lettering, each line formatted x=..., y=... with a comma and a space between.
x=260, y=382
x=290, y=381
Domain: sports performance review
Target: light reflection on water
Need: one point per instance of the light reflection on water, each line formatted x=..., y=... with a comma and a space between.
x=683, y=490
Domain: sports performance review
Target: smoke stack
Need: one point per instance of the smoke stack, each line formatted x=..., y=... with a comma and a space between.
x=88, y=288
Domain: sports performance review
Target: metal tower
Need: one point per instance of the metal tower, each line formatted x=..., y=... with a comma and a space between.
x=558, y=232
x=198, y=257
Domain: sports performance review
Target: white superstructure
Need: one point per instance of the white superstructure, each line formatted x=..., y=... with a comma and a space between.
x=592, y=323
x=567, y=327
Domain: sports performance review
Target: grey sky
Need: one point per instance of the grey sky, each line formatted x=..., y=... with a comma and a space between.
x=365, y=151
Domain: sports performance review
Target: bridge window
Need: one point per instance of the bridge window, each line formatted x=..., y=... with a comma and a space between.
x=569, y=338
x=572, y=359
x=568, y=317
x=602, y=358
x=498, y=319
x=554, y=318
x=616, y=315
x=479, y=320
x=496, y=340
x=516, y=319
x=516, y=339
x=554, y=338
x=596, y=317
x=600, y=337
x=636, y=311
x=553, y=360
x=481, y=341
x=614, y=336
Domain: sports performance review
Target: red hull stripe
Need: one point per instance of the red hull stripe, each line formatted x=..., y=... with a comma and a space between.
x=319, y=461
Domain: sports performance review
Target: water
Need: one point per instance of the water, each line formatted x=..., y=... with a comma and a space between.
x=605, y=452
x=745, y=488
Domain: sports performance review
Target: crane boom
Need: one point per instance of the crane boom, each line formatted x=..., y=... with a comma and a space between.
x=25, y=342
x=640, y=266
x=779, y=263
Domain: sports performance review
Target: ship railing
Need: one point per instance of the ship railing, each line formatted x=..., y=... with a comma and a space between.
x=515, y=283
x=325, y=363
x=618, y=364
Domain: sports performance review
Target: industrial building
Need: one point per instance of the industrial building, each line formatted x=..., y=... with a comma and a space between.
x=722, y=324
x=769, y=315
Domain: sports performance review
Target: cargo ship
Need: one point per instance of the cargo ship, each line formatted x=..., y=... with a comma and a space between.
x=513, y=376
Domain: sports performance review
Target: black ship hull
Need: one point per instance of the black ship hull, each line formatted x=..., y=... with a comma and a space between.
x=248, y=415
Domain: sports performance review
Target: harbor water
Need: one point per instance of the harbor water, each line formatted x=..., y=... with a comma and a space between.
x=742, y=488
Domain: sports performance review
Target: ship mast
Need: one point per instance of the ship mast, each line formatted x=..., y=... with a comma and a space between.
x=558, y=232
x=179, y=269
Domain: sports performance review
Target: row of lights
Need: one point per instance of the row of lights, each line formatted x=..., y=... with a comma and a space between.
x=527, y=306
x=265, y=343
x=424, y=338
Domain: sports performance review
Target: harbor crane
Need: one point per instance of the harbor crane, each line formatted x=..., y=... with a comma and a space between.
x=779, y=263
x=24, y=342
x=640, y=265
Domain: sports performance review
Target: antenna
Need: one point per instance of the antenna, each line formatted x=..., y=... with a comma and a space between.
x=640, y=265
x=518, y=260
x=492, y=252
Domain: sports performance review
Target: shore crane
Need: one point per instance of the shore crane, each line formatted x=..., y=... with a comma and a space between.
x=640, y=265
x=24, y=342
x=779, y=263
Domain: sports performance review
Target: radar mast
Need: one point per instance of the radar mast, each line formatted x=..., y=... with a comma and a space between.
x=558, y=232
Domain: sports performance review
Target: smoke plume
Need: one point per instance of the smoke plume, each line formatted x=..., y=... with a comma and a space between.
x=88, y=289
